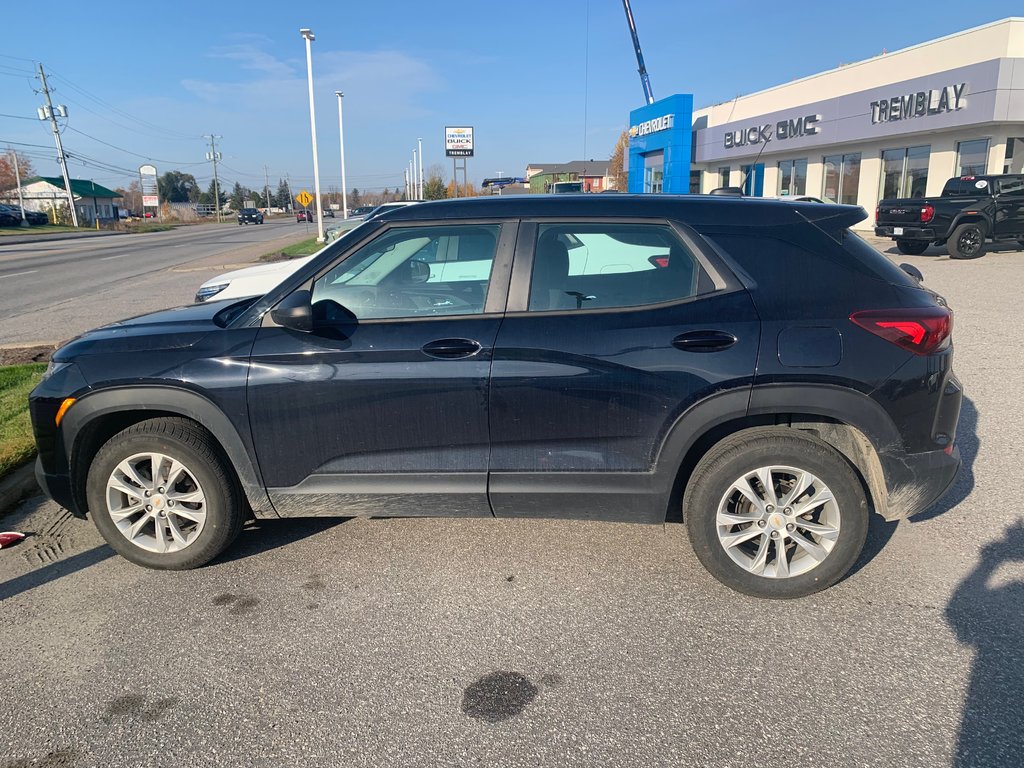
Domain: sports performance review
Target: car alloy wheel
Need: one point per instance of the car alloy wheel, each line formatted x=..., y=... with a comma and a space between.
x=156, y=502
x=969, y=241
x=778, y=521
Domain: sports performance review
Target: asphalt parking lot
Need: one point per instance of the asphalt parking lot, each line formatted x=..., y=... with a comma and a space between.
x=419, y=642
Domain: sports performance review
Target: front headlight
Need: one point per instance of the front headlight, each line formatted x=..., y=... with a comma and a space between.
x=207, y=291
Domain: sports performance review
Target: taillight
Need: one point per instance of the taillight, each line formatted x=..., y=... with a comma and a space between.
x=921, y=330
x=927, y=213
x=878, y=212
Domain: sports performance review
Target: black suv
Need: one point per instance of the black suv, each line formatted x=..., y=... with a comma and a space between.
x=970, y=210
x=249, y=216
x=752, y=367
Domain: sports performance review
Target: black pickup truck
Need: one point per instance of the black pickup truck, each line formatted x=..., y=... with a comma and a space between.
x=970, y=210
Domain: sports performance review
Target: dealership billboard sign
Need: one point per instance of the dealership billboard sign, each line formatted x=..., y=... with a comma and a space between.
x=150, y=186
x=458, y=141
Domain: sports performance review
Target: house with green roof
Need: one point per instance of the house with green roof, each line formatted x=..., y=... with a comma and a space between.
x=46, y=193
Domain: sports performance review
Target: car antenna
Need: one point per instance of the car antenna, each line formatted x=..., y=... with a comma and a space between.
x=753, y=165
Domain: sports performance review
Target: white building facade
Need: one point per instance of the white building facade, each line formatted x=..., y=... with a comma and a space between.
x=897, y=125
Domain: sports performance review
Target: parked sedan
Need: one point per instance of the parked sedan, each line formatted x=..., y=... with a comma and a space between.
x=34, y=218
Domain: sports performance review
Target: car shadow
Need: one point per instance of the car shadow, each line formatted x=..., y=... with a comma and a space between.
x=259, y=536
x=54, y=571
x=985, y=613
x=937, y=251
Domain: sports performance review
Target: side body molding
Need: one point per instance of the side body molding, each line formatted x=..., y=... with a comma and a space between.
x=184, y=402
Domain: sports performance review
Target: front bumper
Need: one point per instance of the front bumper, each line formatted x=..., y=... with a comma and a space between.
x=58, y=488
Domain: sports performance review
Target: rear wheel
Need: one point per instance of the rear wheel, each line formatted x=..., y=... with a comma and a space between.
x=912, y=247
x=967, y=241
x=162, y=495
x=776, y=513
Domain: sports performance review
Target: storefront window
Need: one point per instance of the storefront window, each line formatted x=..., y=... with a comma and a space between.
x=792, y=177
x=972, y=157
x=654, y=171
x=723, y=176
x=694, y=182
x=842, y=176
x=1014, y=160
x=905, y=172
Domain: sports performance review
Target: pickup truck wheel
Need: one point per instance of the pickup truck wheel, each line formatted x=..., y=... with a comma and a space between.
x=776, y=513
x=966, y=242
x=163, y=496
x=912, y=247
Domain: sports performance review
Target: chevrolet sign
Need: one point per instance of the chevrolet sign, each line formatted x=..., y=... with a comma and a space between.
x=663, y=123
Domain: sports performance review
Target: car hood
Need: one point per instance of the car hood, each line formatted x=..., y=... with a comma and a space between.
x=175, y=328
x=282, y=268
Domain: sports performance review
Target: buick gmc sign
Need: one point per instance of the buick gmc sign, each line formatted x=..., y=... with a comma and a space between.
x=780, y=131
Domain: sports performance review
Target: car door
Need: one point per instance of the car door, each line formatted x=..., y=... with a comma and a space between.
x=613, y=330
x=1010, y=207
x=382, y=408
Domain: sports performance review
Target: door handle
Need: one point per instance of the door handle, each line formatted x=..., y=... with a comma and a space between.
x=451, y=349
x=703, y=341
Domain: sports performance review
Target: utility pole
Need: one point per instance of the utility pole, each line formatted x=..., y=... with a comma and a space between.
x=214, y=156
x=17, y=180
x=420, y=140
x=47, y=113
x=341, y=133
x=266, y=187
x=288, y=186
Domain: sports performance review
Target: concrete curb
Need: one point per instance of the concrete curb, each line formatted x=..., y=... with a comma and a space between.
x=16, y=486
x=15, y=240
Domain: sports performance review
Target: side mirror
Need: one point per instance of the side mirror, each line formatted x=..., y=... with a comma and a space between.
x=416, y=271
x=295, y=312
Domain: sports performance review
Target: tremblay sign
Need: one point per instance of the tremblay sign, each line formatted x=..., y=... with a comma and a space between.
x=920, y=104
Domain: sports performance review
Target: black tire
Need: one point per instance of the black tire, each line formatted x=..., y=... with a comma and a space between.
x=967, y=241
x=187, y=442
x=746, y=451
x=912, y=247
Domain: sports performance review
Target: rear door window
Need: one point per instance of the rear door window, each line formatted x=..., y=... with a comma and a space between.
x=601, y=266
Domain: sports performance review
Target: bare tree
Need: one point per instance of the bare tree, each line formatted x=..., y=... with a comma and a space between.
x=618, y=170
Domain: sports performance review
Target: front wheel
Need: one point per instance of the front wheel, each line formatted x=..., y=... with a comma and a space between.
x=912, y=247
x=162, y=495
x=776, y=513
x=966, y=242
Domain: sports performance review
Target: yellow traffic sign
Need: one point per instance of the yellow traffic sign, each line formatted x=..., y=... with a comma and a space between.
x=304, y=198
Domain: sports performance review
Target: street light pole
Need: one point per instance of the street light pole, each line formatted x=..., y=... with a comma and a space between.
x=341, y=133
x=309, y=37
x=420, y=140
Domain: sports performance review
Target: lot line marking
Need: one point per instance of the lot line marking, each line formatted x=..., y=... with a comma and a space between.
x=15, y=274
x=118, y=256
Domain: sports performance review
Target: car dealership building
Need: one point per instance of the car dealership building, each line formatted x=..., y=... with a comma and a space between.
x=896, y=125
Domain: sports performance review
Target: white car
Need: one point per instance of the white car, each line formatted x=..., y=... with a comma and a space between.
x=256, y=281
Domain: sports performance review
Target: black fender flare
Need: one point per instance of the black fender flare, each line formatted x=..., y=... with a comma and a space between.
x=959, y=219
x=183, y=402
x=840, y=404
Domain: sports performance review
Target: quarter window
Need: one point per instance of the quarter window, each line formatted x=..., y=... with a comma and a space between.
x=411, y=272
x=600, y=266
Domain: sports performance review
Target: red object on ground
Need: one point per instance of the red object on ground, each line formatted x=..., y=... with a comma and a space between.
x=7, y=538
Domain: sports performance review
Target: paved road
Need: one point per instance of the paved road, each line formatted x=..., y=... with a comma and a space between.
x=52, y=291
x=520, y=643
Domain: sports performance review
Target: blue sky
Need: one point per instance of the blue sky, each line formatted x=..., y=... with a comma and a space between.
x=540, y=81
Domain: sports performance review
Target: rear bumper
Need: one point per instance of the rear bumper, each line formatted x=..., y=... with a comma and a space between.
x=909, y=233
x=917, y=480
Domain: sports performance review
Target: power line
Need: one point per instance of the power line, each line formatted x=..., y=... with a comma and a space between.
x=129, y=152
